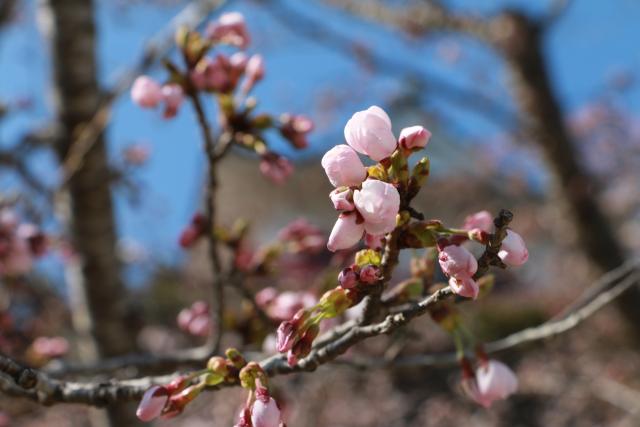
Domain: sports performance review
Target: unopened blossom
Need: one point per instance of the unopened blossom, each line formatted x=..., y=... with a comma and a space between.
x=369, y=132
x=345, y=233
x=374, y=241
x=230, y=28
x=276, y=168
x=136, y=154
x=195, y=320
x=414, y=137
x=513, y=250
x=50, y=347
x=254, y=72
x=172, y=95
x=378, y=202
x=146, y=92
x=266, y=296
x=288, y=303
x=464, y=286
x=495, y=381
x=192, y=233
x=295, y=129
x=482, y=220
x=342, y=199
x=369, y=274
x=457, y=261
x=265, y=411
x=213, y=74
x=302, y=236
x=343, y=166
x=348, y=278
x=152, y=403
x=238, y=62
x=17, y=257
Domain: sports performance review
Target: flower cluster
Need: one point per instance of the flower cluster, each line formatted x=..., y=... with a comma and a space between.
x=367, y=204
x=195, y=320
x=20, y=244
x=230, y=79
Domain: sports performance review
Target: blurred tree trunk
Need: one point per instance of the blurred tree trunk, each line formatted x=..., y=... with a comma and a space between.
x=521, y=45
x=100, y=304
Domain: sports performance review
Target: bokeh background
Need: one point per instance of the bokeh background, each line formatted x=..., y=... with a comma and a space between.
x=491, y=148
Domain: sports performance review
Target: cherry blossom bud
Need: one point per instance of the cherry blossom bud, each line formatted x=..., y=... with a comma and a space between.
x=146, y=92
x=35, y=238
x=266, y=296
x=464, y=286
x=265, y=412
x=238, y=62
x=152, y=403
x=295, y=129
x=136, y=154
x=50, y=347
x=343, y=166
x=369, y=274
x=378, y=202
x=286, y=336
x=302, y=236
x=276, y=168
x=348, y=278
x=342, y=198
x=173, y=95
x=369, y=132
x=345, y=233
x=334, y=302
x=513, y=251
x=374, y=242
x=495, y=382
x=213, y=74
x=457, y=261
x=230, y=28
x=479, y=235
x=414, y=137
x=482, y=220
x=200, y=326
x=254, y=72
x=244, y=418
x=193, y=231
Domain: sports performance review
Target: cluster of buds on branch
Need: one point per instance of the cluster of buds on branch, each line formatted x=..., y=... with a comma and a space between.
x=230, y=79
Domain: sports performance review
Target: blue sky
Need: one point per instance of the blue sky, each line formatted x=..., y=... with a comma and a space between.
x=591, y=42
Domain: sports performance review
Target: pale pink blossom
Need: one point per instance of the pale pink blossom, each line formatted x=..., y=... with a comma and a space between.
x=276, y=168
x=172, y=95
x=378, y=202
x=464, y=286
x=345, y=233
x=493, y=381
x=457, y=261
x=265, y=411
x=482, y=220
x=266, y=296
x=369, y=132
x=343, y=166
x=238, y=62
x=342, y=199
x=414, y=137
x=152, y=403
x=513, y=250
x=285, y=305
x=230, y=28
x=146, y=92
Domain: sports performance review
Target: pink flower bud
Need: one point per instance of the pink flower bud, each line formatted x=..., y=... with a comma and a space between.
x=200, y=326
x=193, y=231
x=136, y=154
x=286, y=336
x=343, y=166
x=369, y=132
x=345, y=233
x=35, y=238
x=173, y=95
x=276, y=168
x=146, y=92
x=342, y=198
x=230, y=28
x=369, y=274
x=464, y=286
x=238, y=62
x=513, y=251
x=302, y=236
x=244, y=418
x=265, y=412
x=213, y=74
x=295, y=129
x=200, y=308
x=457, y=261
x=378, y=202
x=152, y=403
x=50, y=347
x=495, y=382
x=348, y=278
x=482, y=220
x=374, y=241
x=254, y=72
x=266, y=296
x=414, y=137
